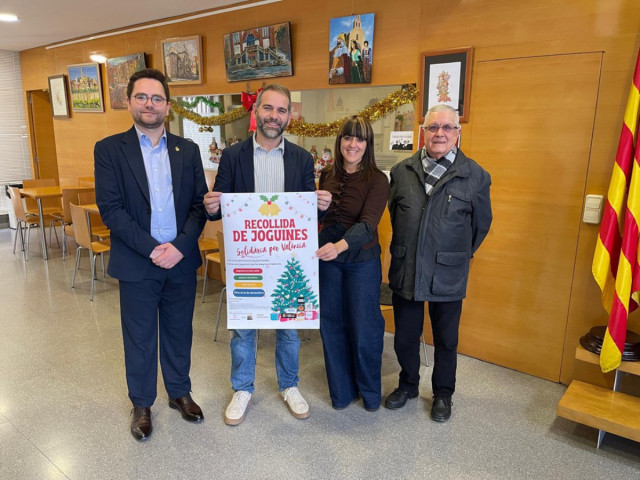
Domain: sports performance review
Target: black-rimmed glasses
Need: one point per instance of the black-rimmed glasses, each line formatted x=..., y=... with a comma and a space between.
x=142, y=98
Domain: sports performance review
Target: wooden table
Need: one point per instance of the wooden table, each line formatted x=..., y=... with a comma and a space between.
x=38, y=193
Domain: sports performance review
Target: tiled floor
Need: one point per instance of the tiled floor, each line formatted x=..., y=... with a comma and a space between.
x=64, y=411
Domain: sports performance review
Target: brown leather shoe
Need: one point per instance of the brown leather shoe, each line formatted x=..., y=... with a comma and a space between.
x=141, y=427
x=188, y=408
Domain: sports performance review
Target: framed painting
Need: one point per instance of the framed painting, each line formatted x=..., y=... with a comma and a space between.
x=351, y=49
x=119, y=70
x=59, y=96
x=446, y=79
x=182, y=60
x=262, y=52
x=85, y=87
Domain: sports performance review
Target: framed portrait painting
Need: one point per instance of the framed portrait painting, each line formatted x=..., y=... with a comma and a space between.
x=262, y=52
x=446, y=79
x=182, y=60
x=59, y=96
x=85, y=87
x=351, y=49
x=119, y=70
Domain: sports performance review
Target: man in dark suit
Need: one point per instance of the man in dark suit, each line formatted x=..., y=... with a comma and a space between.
x=265, y=162
x=149, y=188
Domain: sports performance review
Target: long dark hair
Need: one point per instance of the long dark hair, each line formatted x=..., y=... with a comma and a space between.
x=354, y=126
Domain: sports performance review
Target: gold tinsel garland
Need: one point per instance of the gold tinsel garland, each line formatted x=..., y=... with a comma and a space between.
x=380, y=109
x=206, y=122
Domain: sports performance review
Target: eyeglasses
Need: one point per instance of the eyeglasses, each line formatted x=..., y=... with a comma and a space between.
x=141, y=99
x=446, y=128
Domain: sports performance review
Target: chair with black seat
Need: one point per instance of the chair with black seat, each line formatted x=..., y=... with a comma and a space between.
x=83, y=237
x=24, y=221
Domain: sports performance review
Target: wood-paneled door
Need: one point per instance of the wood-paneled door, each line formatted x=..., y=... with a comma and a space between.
x=531, y=127
x=44, y=163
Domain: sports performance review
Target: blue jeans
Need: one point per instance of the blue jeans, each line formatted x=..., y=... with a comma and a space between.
x=352, y=330
x=243, y=359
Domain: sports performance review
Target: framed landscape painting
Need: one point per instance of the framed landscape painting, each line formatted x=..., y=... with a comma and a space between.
x=262, y=52
x=85, y=87
x=119, y=70
x=182, y=60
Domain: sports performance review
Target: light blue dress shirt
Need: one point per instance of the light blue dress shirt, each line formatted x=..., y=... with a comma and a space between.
x=158, y=168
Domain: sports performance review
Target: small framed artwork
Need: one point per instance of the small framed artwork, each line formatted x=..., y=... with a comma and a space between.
x=119, y=70
x=446, y=79
x=351, y=49
x=262, y=52
x=182, y=60
x=59, y=96
x=85, y=87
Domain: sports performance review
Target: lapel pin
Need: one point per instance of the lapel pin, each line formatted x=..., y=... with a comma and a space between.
x=177, y=149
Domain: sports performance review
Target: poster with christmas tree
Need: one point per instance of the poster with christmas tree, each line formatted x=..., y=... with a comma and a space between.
x=270, y=241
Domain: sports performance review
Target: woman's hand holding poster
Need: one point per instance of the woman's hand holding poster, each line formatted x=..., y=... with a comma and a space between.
x=270, y=240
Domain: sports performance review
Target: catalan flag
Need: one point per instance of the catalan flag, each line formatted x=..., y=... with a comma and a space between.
x=615, y=262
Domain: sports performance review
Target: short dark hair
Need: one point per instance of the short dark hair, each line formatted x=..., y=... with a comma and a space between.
x=366, y=42
x=275, y=87
x=148, y=73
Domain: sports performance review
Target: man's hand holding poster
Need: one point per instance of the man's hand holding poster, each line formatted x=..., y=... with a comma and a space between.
x=272, y=273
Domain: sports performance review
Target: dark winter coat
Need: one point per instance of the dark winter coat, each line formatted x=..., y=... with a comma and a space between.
x=435, y=237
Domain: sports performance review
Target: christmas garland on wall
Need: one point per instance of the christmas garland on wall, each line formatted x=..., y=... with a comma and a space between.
x=382, y=108
x=198, y=100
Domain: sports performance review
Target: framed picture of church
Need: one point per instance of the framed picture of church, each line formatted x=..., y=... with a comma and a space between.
x=182, y=60
x=351, y=49
x=262, y=52
x=85, y=87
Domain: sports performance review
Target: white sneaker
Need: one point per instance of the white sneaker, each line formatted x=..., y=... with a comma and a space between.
x=297, y=405
x=237, y=408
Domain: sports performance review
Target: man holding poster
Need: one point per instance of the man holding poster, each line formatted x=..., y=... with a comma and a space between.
x=265, y=163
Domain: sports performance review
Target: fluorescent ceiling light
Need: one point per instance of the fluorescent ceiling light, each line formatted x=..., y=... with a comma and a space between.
x=98, y=58
x=8, y=17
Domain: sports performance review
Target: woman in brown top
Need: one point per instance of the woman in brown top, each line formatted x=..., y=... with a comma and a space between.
x=351, y=325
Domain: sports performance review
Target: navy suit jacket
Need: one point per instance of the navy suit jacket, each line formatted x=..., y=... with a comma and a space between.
x=235, y=172
x=122, y=195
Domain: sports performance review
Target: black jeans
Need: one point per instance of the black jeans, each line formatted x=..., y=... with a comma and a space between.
x=445, y=320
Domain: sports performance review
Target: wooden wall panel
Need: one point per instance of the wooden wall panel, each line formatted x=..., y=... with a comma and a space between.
x=518, y=299
x=497, y=29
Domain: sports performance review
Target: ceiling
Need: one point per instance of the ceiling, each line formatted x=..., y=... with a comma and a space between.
x=43, y=22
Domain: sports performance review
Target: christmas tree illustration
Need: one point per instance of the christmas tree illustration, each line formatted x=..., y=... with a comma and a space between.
x=292, y=289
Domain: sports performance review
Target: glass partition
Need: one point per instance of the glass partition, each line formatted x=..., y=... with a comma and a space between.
x=393, y=133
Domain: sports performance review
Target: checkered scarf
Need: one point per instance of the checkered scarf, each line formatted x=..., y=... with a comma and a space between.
x=434, y=169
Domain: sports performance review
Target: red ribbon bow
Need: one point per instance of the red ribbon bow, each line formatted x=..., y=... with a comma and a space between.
x=248, y=100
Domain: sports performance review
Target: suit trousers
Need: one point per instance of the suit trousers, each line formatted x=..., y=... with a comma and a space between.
x=445, y=321
x=160, y=306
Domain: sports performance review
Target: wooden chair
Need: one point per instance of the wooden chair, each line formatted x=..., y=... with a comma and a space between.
x=98, y=228
x=208, y=241
x=216, y=257
x=25, y=221
x=84, y=240
x=69, y=195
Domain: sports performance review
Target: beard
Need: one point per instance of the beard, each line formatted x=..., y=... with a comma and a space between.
x=268, y=131
x=150, y=124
